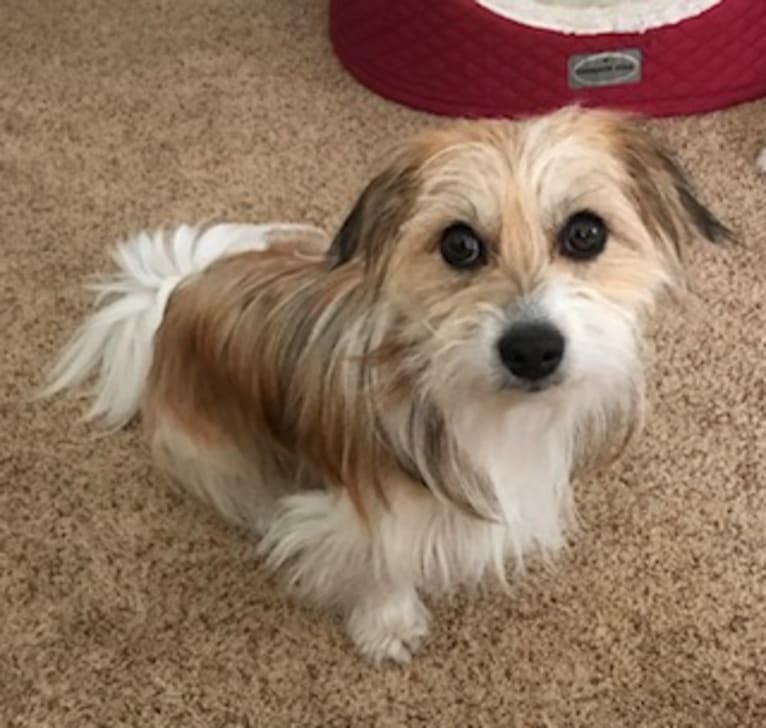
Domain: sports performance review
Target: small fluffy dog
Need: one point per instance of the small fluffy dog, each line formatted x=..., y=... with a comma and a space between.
x=399, y=410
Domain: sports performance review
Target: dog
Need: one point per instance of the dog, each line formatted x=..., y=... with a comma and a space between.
x=398, y=410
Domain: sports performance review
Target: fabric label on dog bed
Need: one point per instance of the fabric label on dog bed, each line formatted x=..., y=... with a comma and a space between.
x=608, y=68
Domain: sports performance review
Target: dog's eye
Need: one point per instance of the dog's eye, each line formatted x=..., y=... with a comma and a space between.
x=583, y=236
x=461, y=248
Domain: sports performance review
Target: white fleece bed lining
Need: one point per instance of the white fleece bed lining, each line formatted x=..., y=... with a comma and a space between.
x=598, y=16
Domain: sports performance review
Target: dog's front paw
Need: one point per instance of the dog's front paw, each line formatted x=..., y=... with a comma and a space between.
x=389, y=628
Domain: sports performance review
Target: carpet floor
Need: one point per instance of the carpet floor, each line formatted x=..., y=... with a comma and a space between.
x=125, y=604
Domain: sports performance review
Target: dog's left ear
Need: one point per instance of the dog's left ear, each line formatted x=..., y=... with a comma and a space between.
x=664, y=196
x=376, y=216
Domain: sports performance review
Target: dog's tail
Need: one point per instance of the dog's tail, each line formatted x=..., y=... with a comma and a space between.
x=114, y=345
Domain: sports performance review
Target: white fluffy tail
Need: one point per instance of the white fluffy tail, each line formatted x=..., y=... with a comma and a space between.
x=115, y=343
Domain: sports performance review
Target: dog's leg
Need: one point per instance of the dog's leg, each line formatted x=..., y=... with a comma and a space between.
x=331, y=558
x=243, y=492
x=388, y=623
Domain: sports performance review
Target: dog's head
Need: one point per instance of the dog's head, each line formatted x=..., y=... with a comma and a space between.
x=521, y=257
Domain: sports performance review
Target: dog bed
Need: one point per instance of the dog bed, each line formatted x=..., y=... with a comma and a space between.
x=515, y=57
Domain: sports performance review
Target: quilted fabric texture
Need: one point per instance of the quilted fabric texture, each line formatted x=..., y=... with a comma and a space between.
x=454, y=57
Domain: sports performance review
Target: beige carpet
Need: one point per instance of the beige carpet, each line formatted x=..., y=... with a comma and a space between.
x=121, y=604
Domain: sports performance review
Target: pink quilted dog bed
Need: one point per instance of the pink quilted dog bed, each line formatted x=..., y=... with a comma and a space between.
x=512, y=57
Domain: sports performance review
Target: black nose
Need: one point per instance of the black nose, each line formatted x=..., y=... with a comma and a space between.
x=531, y=351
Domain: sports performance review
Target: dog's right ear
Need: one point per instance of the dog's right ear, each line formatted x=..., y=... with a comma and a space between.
x=376, y=217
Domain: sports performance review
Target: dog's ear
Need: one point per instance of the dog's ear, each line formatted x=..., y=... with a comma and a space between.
x=664, y=196
x=376, y=217
x=707, y=225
